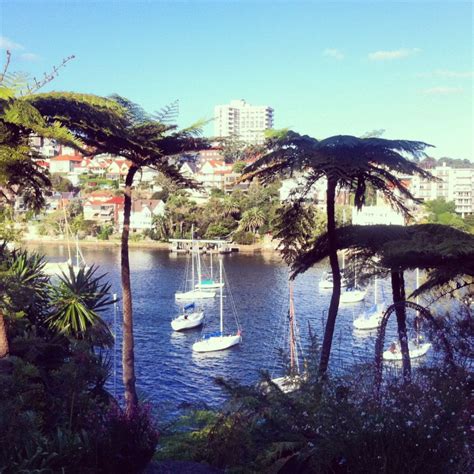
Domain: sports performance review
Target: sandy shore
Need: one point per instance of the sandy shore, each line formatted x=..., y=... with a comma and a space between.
x=150, y=244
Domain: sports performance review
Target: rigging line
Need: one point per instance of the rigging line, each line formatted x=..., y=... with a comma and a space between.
x=231, y=298
x=281, y=334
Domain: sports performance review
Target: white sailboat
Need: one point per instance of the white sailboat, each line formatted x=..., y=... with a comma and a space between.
x=372, y=318
x=327, y=281
x=195, y=293
x=218, y=341
x=291, y=382
x=188, y=319
x=209, y=283
x=416, y=346
x=353, y=294
x=59, y=268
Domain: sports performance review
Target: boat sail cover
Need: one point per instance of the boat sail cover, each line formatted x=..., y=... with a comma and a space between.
x=189, y=306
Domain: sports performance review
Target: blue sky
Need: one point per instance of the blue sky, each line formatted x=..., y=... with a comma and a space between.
x=326, y=68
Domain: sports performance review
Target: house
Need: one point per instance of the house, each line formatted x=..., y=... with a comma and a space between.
x=65, y=163
x=102, y=208
x=142, y=213
x=117, y=169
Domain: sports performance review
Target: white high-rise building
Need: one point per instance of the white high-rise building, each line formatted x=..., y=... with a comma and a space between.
x=454, y=184
x=243, y=121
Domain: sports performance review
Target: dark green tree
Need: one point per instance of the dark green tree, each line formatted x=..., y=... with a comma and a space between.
x=346, y=162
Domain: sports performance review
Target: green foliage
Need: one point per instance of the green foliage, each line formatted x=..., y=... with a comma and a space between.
x=336, y=426
x=61, y=184
x=239, y=166
x=242, y=237
x=105, y=232
x=444, y=212
x=55, y=414
x=76, y=301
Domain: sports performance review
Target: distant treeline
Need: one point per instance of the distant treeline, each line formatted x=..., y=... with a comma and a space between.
x=430, y=162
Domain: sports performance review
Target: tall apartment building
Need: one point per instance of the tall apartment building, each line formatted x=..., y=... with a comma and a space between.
x=243, y=121
x=455, y=184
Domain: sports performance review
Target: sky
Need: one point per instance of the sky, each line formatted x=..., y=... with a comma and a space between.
x=327, y=68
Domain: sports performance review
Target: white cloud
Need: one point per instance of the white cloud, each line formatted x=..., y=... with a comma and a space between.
x=30, y=57
x=395, y=54
x=446, y=74
x=6, y=43
x=443, y=90
x=454, y=74
x=333, y=53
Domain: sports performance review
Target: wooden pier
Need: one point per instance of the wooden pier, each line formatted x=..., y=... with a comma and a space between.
x=204, y=246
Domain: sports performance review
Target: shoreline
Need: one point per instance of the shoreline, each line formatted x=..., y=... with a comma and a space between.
x=244, y=249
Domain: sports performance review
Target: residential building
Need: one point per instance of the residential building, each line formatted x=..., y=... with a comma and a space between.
x=142, y=213
x=452, y=184
x=64, y=163
x=243, y=121
x=102, y=208
x=379, y=214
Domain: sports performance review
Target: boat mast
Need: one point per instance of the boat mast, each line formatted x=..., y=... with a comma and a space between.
x=375, y=291
x=192, y=258
x=222, y=297
x=291, y=317
x=66, y=231
x=210, y=257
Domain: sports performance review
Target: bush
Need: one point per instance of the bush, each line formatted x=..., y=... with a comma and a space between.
x=340, y=425
x=243, y=237
x=128, y=440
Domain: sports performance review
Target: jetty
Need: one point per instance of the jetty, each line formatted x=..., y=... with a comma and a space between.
x=204, y=246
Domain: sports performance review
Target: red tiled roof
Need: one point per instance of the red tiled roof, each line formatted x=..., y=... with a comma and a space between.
x=77, y=158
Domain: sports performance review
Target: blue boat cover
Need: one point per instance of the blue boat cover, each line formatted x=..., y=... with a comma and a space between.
x=189, y=306
x=212, y=334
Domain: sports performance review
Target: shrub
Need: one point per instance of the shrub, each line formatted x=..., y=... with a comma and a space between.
x=242, y=237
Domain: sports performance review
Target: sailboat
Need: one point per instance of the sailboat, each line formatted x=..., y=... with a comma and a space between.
x=373, y=318
x=416, y=346
x=327, y=281
x=188, y=319
x=209, y=283
x=291, y=382
x=353, y=294
x=194, y=293
x=218, y=341
x=58, y=268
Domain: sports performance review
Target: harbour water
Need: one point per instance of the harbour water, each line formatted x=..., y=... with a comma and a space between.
x=169, y=374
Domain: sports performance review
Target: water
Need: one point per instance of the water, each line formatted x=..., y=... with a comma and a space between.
x=169, y=374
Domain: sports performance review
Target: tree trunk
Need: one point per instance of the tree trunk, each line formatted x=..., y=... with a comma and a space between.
x=4, y=348
x=398, y=290
x=336, y=276
x=128, y=358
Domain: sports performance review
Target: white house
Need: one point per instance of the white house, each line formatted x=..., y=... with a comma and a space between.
x=142, y=214
x=64, y=163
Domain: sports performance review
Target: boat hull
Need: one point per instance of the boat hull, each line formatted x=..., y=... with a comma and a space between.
x=372, y=321
x=187, y=321
x=194, y=295
x=288, y=384
x=414, y=350
x=352, y=296
x=216, y=343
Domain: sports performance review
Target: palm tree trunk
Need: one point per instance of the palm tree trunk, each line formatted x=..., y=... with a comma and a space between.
x=398, y=290
x=128, y=357
x=4, y=348
x=336, y=275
